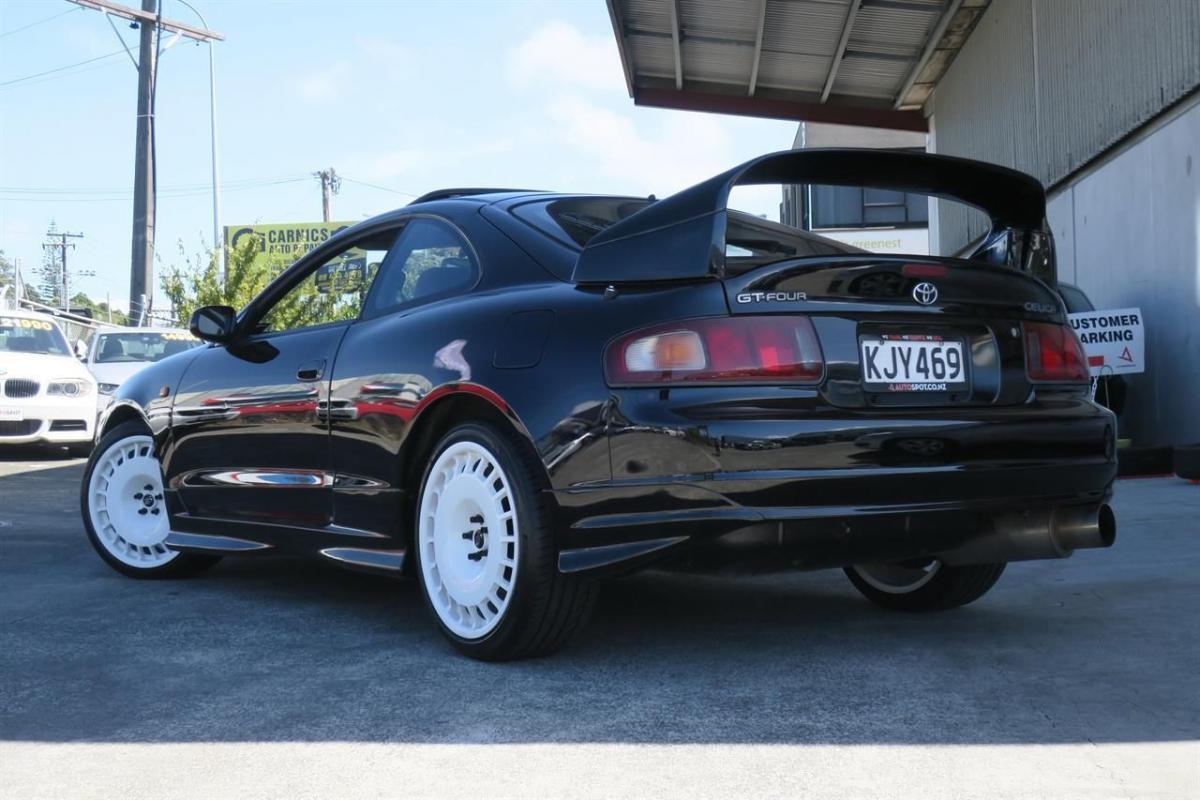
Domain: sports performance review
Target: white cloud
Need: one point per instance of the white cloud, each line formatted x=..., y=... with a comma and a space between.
x=383, y=51
x=324, y=84
x=659, y=152
x=558, y=53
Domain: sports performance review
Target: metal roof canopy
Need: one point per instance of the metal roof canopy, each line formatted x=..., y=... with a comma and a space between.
x=850, y=62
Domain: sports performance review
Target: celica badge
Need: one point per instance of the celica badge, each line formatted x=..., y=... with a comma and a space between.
x=925, y=293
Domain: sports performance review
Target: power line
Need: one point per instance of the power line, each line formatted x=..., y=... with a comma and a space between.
x=35, y=24
x=86, y=190
x=127, y=196
x=108, y=64
x=377, y=186
x=61, y=69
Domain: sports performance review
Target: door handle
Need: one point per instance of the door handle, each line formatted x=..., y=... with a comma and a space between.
x=311, y=371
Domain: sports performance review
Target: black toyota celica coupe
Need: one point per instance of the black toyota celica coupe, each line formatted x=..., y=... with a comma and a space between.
x=507, y=394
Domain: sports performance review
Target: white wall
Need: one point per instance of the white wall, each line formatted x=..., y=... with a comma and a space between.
x=1128, y=234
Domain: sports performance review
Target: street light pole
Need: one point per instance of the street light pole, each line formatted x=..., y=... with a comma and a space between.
x=218, y=238
x=151, y=23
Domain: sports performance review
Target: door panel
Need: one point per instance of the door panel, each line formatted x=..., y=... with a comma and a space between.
x=390, y=361
x=251, y=430
x=251, y=418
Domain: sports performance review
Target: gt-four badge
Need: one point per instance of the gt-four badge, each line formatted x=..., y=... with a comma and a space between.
x=771, y=297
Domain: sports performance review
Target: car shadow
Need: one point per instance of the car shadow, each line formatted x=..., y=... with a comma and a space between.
x=34, y=453
x=277, y=648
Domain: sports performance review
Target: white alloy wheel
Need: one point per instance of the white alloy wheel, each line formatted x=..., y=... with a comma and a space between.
x=898, y=578
x=468, y=538
x=125, y=504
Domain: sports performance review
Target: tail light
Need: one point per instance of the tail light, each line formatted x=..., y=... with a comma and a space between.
x=1053, y=354
x=718, y=350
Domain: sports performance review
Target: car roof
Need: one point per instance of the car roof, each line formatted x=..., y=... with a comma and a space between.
x=148, y=329
x=487, y=197
x=24, y=314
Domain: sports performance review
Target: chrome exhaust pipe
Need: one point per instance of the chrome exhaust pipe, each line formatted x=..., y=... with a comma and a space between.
x=1032, y=535
x=1076, y=529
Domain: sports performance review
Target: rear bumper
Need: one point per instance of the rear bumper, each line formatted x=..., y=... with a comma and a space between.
x=823, y=492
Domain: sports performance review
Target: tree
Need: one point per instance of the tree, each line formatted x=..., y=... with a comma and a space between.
x=99, y=311
x=198, y=283
x=8, y=271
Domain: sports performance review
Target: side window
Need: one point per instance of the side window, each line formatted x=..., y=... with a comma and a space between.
x=430, y=260
x=334, y=291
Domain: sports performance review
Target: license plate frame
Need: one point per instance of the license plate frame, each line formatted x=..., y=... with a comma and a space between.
x=905, y=378
x=12, y=414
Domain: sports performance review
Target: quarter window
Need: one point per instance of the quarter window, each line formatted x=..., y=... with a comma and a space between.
x=431, y=260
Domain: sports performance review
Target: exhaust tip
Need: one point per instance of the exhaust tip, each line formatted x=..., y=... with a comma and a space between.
x=1106, y=523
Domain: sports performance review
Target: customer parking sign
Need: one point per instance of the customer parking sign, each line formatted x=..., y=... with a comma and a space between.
x=1113, y=340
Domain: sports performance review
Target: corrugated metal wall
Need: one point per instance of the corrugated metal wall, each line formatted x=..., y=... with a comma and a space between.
x=1128, y=234
x=1047, y=85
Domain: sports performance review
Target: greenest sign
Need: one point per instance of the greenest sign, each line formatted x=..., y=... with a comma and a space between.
x=281, y=244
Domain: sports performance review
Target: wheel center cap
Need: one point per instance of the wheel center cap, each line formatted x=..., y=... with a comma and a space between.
x=463, y=549
x=148, y=500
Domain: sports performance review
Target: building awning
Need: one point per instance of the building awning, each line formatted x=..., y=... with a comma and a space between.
x=851, y=62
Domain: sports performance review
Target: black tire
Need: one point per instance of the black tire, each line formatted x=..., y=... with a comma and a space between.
x=546, y=607
x=949, y=587
x=180, y=565
x=1186, y=462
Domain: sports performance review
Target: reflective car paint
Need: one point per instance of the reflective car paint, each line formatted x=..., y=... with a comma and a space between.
x=256, y=455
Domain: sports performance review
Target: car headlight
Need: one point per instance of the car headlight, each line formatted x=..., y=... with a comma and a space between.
x=68, y=387
x=108, y=388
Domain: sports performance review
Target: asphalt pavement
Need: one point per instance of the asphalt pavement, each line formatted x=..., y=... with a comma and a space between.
x=279, y=677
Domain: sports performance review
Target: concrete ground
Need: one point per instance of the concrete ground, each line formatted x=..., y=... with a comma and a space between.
x=283, y=678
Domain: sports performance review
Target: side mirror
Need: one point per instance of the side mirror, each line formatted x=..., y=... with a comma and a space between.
x=213, y=323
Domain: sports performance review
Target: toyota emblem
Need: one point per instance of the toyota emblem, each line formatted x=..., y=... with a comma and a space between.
x=925, y=293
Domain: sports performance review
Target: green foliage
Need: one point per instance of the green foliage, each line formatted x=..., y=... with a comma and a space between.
x=198, y=283
x=99, y=311
x=8, y=271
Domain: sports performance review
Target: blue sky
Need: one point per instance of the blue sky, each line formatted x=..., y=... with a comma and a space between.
x=406, y=95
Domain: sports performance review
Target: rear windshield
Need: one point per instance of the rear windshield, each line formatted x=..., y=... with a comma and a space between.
x=25, y=335
x=1076, y=300
x=575, y=220
x=751, y=241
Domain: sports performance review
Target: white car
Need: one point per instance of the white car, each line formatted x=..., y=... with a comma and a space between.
x=46, y=395
x=116, y=354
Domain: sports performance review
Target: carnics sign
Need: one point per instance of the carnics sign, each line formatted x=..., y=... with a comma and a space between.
x=281, y=244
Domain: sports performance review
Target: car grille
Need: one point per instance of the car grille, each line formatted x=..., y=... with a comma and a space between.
x=20, y=387
x=25, y=427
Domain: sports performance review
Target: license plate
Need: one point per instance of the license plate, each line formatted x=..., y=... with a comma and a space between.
x=907, y=363
x=11, y=414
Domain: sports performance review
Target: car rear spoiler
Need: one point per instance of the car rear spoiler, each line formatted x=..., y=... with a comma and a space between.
x=682, y=237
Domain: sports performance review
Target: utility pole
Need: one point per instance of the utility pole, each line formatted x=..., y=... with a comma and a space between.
x=63, y=245
x=141, y=275
x=150, y=21
x=330, y=184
